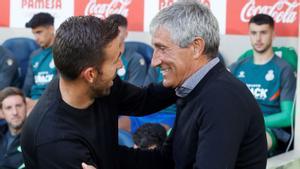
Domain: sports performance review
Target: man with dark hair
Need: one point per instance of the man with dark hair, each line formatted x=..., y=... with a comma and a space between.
x=134, y=69
x=218, y=123
x=41, y=68
x=75, y=120
x=149, y=136
x=13, y=107
x=270, y=79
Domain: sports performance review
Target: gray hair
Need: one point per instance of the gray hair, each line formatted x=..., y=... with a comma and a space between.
x=186, y=20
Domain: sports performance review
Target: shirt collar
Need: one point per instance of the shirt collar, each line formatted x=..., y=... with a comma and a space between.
x=190, y=83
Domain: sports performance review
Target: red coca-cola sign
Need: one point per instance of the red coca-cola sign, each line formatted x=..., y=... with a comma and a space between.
x=166, y=3
x=284, y=12
x=132, y=9
x=4, y=16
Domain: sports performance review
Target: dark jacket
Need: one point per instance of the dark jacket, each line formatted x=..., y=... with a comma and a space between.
x=58, y=136
x=9, y=69
x=218, y=126
x=10, y=158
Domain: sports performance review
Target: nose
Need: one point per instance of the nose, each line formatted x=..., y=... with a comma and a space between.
x=258, y=37
x=36, y=37
x=14, y=111
x=155, y=61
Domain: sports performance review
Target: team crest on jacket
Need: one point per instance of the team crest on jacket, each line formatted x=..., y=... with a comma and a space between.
x=270, y=75
x=9, y=62
x=142, y=62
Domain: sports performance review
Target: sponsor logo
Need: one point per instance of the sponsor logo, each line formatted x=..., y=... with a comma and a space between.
x=258, y=92
x=43, y=78
x=42, y=4
x=282, y=11
x=51, y=64
x=165, y=3
x=241, y=74
x=36, y=64
x=105, y=9
x=133, y=10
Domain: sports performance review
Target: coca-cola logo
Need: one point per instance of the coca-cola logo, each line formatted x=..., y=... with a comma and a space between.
x=282, y=11
x=205, y=2
x=166, y=3
x=104, y=10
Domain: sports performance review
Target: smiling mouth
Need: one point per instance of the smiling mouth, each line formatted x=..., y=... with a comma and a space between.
x=165, y=70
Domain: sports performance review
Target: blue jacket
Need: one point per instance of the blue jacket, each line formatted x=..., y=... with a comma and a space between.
x=11, y=157
x=9, y=74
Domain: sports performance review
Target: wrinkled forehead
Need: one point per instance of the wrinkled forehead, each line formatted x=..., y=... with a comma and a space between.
x=161, y=36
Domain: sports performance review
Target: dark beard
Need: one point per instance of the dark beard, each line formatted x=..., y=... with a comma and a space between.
x=264, y=50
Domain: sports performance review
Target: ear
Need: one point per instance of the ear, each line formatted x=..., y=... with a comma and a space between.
x=89, y=74
x=273, y=35
x=198, y=45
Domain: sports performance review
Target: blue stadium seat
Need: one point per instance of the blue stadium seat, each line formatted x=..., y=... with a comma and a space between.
x=142, y=48
x=125, y=138
x=21, y=48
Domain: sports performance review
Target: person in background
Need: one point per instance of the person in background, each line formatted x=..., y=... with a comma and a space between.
x=13, y=107
x=41, y=68
x=149, y=136
x=270, y=79
x=134, y=67
x=9, y=72
x=9, y=69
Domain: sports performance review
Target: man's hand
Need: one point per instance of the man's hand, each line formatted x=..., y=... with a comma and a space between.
x=85, y=166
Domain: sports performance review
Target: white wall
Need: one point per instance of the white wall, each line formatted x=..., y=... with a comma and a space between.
x=231, y=46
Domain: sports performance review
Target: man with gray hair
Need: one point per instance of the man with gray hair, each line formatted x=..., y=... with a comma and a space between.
x=218, y=122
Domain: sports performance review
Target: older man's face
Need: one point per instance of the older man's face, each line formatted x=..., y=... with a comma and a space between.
x=175, y=62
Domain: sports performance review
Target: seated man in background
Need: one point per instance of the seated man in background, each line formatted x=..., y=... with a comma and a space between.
x=13, y=106
x=270, y=79
x=286, y=53
x=135, y=71
x=41, y=68
x=9, y=74
x=149, y=136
